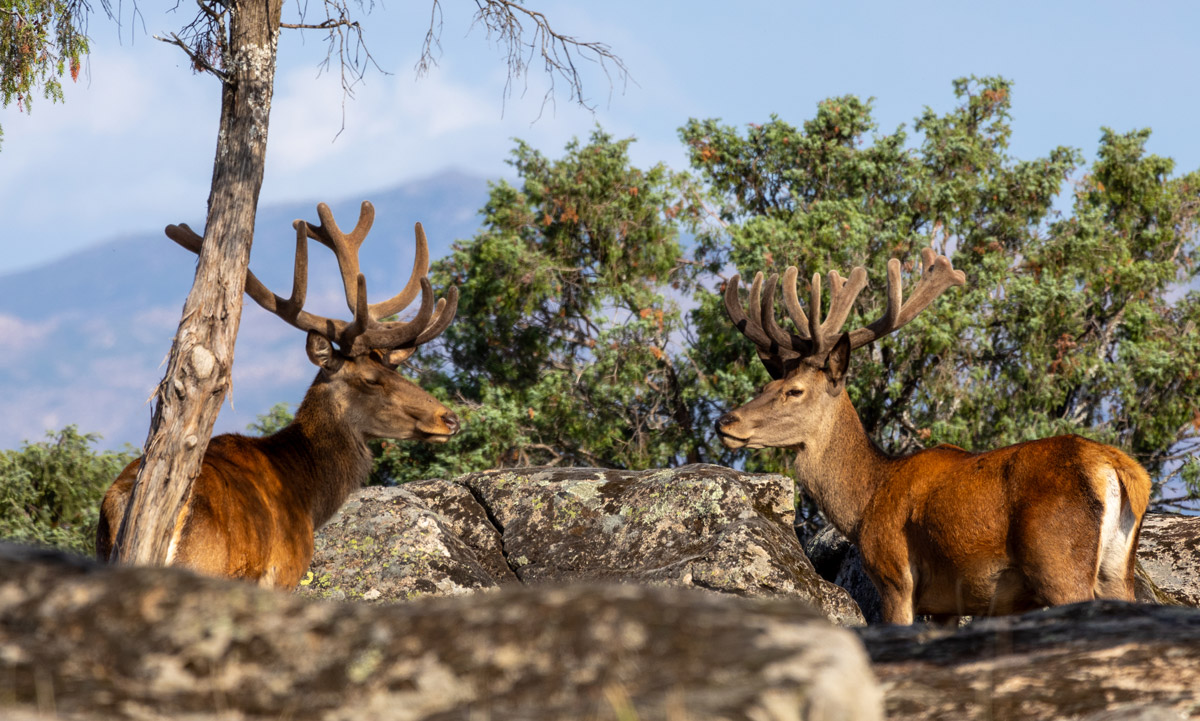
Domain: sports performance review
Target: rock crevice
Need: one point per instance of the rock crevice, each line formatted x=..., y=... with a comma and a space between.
x=701, y=526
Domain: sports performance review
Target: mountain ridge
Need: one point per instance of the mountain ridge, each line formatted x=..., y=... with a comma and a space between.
x=87, y=334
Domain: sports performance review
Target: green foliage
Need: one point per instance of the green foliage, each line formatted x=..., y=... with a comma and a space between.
x=1067, y=325
x=272, y=421
x=567, y=345
x=40, y=40
x=571, y=345
x=50, y=491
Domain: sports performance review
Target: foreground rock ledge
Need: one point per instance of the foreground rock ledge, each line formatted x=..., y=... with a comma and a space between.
x=102, y=643
x=1099, y=661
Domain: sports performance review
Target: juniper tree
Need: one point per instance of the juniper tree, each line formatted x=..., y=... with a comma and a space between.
x=567, y=349
x=1082, y=322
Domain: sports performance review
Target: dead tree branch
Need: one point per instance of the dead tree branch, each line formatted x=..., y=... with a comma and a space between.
x=561, y=55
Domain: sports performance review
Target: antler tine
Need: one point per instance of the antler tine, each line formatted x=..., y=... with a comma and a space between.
x=398, y=334
x=401, y=300
x=356, y=331
x=781, y=337
x=733, y=307
x=185, y=236
x=790, y=299
x=442, y=315
x=842, y=294
x=937, y=277
x=289, y=310
x=814, y=311
x=344, y=247
x=331, y=236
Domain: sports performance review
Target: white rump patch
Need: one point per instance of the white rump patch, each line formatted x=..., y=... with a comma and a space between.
x=1116, y=530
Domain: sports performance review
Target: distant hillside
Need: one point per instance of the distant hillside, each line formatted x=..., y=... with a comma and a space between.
x=85, y=336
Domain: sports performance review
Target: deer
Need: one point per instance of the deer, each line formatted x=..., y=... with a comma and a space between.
x=257, y=501
x=943, y=531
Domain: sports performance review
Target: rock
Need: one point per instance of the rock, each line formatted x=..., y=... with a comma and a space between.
x=469, y=521
x=697, y=526
x=1101, y=660
x=1169, y=552
x=839, y=561
x=106, y=643
x=387, y=544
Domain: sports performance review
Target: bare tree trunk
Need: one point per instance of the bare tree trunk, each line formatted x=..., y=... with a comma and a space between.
x=198, y=373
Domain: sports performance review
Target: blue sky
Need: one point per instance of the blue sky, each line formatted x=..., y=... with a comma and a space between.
x=131, y=149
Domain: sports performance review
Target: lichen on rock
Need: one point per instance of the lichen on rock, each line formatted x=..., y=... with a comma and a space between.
x=698, y=526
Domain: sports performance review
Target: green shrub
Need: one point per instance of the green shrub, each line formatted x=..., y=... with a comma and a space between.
x=50, y=491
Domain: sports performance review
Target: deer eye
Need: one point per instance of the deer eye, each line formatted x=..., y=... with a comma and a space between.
x=795, y=393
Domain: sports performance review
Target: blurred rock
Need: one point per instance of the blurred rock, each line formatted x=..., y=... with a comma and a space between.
x=83, y=641
x=1104, y=660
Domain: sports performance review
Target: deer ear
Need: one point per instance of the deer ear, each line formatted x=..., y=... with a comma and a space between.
x=392, y=359
x=321, y=352
x=839, y=360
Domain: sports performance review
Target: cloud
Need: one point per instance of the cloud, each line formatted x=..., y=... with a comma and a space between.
x=21, y=337
x=397, y=128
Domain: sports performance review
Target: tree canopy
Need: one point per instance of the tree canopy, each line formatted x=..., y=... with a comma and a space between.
x=40, y=42
x=566, y=345
x=591, y=329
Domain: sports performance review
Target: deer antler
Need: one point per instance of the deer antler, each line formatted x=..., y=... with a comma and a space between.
x=780, y=350
x=366, y=331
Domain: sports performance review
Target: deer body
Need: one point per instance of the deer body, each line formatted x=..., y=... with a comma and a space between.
x=252, y=511
x=942, y=531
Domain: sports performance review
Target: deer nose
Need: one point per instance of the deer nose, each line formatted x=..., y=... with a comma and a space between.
x=451, y=421
x=726, y=420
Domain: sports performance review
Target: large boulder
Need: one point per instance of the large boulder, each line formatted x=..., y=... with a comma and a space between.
x=93, y=642
x=1100, y=660
x=698, y=526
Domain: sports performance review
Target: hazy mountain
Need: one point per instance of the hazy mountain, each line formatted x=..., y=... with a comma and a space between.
x=85, y=337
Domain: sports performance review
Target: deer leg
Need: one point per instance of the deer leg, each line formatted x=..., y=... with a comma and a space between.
x=893, y=578
x=897, y=601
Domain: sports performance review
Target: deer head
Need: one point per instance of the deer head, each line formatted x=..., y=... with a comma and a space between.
x=809, y=366
x=358, y=358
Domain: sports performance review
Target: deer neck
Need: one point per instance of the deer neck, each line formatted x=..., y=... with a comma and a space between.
x=841, y=469
x=337, y=460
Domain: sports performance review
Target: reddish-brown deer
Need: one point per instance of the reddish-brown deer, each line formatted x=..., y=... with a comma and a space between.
x=942, y=531
x=254, y=507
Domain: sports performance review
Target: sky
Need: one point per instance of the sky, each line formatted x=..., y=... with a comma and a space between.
x=131, y=148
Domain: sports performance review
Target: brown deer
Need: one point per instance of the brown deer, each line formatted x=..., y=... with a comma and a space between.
x=254, y=507
x=942, y=531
